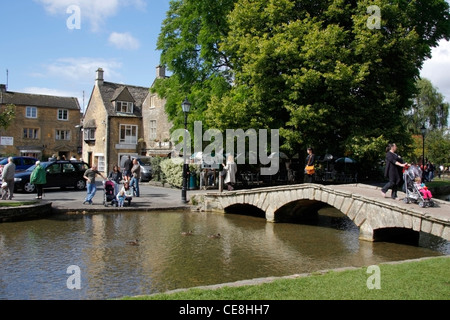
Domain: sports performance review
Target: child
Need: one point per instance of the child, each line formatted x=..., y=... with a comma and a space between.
x=126, y=193
x=121, y=198
x=426, y=194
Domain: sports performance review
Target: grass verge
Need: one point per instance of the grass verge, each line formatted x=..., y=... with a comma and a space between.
x=424, y=279
x=16, y=204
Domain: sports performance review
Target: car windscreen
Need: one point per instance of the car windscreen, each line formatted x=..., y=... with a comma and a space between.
x=145, y=162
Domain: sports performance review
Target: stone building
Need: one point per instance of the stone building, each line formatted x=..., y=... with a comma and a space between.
x=122, y=120
x=43, y=125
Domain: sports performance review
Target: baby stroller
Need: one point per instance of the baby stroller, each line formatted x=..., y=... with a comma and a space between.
x=109, y=193
x=413, y=194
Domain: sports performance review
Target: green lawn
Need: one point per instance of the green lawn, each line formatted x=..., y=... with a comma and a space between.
x=426, y=279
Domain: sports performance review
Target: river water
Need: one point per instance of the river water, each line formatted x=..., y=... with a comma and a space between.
x=35, y=255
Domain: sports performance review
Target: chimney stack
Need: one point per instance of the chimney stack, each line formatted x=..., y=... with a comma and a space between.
x=3, y=88
x=99, y=80
x=160, y=72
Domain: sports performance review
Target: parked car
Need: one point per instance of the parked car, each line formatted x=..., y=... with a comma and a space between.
x=22, y=163
x=146, y=168
x=60, y=174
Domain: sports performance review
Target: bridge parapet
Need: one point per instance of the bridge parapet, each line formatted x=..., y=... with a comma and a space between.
x=361, y=203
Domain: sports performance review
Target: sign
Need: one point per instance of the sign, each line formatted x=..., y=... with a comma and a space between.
x=6, y=141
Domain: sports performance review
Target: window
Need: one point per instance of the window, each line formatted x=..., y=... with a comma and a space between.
x=62, y=135
x=63, y=114
x=125, y=107
x=128, y=134
x=153, y=129
x=54, y=168
x=31, y=113
x=31, y=134
x=101, y=164
x=89, y=134
x=68, y=168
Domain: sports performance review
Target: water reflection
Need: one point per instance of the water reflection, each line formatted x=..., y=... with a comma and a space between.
x=35, y=255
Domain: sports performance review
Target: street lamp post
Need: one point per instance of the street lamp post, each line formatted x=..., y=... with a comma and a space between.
x=423, y=130
x=186, y=106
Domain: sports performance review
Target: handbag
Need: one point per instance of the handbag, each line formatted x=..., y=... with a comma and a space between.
x=310, y=170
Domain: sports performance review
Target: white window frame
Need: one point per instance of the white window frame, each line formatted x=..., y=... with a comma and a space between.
x=129, y=137
x=31, y=113
x=63, y=115
x=101, y=163
x=63, y=135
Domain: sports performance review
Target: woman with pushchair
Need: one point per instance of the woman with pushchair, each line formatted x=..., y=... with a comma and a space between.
x=393, y=171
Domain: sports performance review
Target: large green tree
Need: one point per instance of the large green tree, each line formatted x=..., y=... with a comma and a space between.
x=334, y=74
x=322, y=71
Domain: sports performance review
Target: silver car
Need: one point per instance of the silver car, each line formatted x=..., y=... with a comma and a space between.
x=146, y=168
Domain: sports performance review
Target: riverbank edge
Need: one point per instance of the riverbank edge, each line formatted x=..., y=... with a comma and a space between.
x=169, y=295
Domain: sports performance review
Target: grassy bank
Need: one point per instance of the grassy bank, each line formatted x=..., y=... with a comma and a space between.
x=13, y=204
x=425, y=279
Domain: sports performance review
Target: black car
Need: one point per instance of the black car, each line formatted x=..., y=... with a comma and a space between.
x=60, y=174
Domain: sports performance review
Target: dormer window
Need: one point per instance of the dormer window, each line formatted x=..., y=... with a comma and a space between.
x=124, y=107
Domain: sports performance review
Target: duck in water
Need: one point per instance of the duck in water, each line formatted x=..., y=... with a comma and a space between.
x=214, y=236
x=133, y=243
x=188, y=233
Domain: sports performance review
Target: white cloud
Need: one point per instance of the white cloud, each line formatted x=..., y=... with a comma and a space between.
x=82, y=70
x=93, y=11
x=124, y=41
x=49, y=92
x=437, y=68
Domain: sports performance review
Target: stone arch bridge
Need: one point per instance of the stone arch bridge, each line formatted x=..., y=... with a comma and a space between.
x=363, y=204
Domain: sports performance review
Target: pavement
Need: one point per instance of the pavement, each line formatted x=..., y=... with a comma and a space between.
x=71, y=201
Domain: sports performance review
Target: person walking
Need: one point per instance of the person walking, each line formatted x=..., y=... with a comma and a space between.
x=135, y=177
x=127, y=168
x=310, y=159
x=393, y=171
x=231, y=169
x=8, y=177
x=89, y=176
x=38, y=177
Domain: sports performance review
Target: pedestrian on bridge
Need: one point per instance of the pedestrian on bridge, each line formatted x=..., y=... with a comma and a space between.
x=393, y=171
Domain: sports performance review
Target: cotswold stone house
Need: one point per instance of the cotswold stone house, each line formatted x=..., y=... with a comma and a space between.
x=43, y=125
x=123, y=120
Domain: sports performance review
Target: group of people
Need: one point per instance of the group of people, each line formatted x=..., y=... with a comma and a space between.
x=129, y=177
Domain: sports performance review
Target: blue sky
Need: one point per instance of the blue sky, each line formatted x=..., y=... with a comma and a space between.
x=44, y=55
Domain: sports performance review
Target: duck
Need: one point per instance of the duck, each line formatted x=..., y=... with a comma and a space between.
x=214, y=236
x=133, y=243
x=188, y=233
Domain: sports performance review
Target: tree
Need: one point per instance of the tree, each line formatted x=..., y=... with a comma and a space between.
x=189, y=42
x=7, y=116
x=319, y=69
x=428, y=108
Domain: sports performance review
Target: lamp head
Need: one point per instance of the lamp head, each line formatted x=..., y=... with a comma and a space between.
x=186, y=105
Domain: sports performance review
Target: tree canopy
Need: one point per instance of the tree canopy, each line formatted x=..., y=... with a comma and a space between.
x=335, y=74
